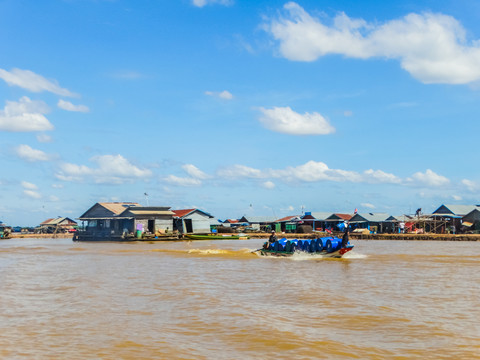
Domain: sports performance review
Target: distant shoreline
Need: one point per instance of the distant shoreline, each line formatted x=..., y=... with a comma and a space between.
x=353, y=236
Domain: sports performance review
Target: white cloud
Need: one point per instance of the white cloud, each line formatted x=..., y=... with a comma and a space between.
x=428, y=178
x=368, y=205
x=28, y=185
x=226, y=95
x=314, y=171
x=24, y=115
x=456, y=197
x=240, y=171
x=287, y=121
x=25, y=152
x=127, y=75
x=195, y=172
x=113, y=169
x=381, y=177
x=471, y=185
x=182, y=181
x=33, y=194
x=28, y=80
x=67, y=105
x=268, y=185
x=44, y=138
x=202, y=3
x=431, y=47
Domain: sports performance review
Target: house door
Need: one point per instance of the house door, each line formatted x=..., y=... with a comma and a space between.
x=151, y=226
x=188, y=225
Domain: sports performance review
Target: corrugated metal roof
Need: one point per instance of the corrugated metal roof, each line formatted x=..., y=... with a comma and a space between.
x=260, y=219
x=320, y=215
x=118, y=207
x=150, y=212
x=458, y=209
x=370, y=217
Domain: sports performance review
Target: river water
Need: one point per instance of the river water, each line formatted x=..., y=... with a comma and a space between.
x=217, y=300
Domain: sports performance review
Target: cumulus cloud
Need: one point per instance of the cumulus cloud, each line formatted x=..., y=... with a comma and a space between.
x=27, y=153
x=28, y=185
x=368, y=205
x=67, y=105
x=226, y=95
x=268, y=185
x=432, y=47
x=428, y=178
x=113, y=169
x=381, y=177
x=30, y=190
x=32, y=194
x=470, y=185
x=239, y=171
x=28, y=80
x=202, y=3
x=316, y=171
x=182, y=181
x=195, y=172
x=287, y=121
x=24, y=115
x=44, y=138
x=195, y=177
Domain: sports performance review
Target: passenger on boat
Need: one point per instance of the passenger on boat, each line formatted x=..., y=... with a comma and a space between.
x=271, y=239
x=345, y=238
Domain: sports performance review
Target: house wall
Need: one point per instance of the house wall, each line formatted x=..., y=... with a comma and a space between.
x=163, y=224
x=200, y=222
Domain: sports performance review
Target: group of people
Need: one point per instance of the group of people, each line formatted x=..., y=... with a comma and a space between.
x=273, y=238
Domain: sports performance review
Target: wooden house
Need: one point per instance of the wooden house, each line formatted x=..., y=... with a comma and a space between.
x=316, y=219
x=452, y=216
x=123, y=221
x=471, y=221
x=56, y=225
x=335, y=222
x=288, y=224
x=191, y=221
x=259, y=223
x=375, y=222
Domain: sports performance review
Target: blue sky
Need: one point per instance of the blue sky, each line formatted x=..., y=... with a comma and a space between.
x=238, y=107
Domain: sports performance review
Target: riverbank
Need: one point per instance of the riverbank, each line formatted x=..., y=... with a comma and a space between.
x=358, y=236
x=40, y=236
x=353, y=236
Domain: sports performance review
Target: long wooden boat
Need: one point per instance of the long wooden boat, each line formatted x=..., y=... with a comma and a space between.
x=217, y=237
x=330, y=247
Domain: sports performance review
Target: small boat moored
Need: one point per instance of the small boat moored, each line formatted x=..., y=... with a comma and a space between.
x=326, y=247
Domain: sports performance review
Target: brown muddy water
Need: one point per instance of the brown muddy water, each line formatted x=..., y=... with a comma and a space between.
x=216, y=300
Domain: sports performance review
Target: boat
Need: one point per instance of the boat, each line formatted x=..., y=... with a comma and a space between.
x=330, y=247
x=217, y=237
x=5, y=232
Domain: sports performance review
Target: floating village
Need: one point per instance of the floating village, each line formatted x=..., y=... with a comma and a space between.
x=130, y=221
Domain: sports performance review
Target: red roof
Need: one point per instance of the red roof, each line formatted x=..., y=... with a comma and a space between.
x=231, y=221
x=344, y=216
x=47, y=221
x=182, y=213
x=288, y=218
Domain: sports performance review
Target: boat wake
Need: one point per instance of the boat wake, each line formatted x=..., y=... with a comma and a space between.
x=209, y=252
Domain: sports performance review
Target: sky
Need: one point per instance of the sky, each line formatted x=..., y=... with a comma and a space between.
x=236, y=107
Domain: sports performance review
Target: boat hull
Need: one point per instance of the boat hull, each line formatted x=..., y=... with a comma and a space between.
x=336, y=254
x=326, y=247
